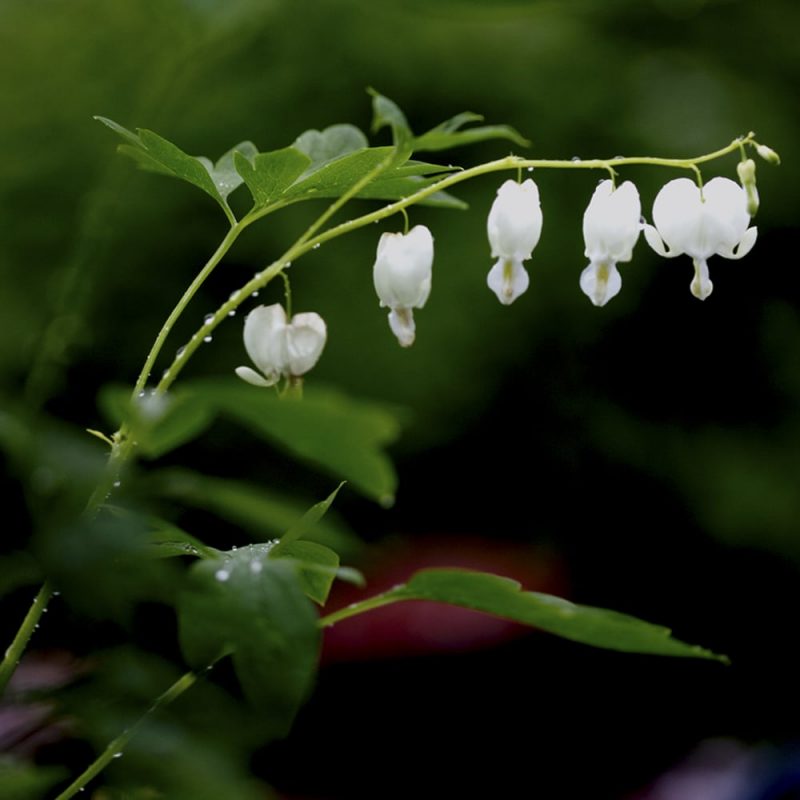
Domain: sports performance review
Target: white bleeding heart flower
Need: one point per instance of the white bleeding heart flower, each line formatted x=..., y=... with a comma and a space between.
x=514, y=227
x=611, y=225
x=402, y=275
x=701, y=224
x=279, y=347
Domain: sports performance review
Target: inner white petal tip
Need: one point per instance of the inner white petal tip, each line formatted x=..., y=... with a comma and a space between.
x=701, y=285
x=508, y=279
x=401, y=322
x=600, y=282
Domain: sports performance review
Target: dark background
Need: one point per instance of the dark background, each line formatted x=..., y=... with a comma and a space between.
x=650, y=447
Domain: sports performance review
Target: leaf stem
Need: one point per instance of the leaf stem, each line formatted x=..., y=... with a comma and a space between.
x=23, y=635
x=117, y=745
x=359, y=608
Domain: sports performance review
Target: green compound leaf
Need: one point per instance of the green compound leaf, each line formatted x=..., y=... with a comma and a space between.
x=504, y=597
x=343, y=436
x=254, y=608
x=448, y=135
x=155, y=154
x=268, y=175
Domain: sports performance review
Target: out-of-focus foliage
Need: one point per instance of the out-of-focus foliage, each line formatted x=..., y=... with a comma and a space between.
x=643, y=428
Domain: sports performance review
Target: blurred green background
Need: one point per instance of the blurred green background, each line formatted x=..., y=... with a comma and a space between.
x=658, y=436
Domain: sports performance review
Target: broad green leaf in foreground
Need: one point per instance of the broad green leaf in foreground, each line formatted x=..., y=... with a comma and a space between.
x=343, y=436
x=504, y=597
x=254, y=608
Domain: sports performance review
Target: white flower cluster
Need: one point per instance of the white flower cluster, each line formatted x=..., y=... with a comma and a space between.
x=688, y=219
x=699, y=222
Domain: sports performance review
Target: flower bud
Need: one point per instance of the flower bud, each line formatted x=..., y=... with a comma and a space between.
x=768, y=154
x=281, y=348
x=747, y=176
x=402, y=275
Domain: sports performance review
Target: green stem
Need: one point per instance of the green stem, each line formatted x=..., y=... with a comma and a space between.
x=359, y=608
x=115, y=748
x=17, y=647
x=190, y=292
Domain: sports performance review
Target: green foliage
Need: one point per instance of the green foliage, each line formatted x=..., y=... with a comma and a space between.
x=319, y=164
x=21, y=781
x=107, y=564
x=327, y=145
x=156, y=154
x=343, y=436
x=502, y=596
x=448, y=134
x=269, y=175
x=262, y=513
x=254, y=608
x=308, y=521
x=159, y=423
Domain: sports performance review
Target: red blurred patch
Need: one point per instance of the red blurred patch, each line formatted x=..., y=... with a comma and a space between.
x=417, y=627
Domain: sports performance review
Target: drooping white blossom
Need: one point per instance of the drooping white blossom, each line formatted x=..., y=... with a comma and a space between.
x=514, y=227
x=281, y=347
x=611, y=225
x=714, y=222
x=402, y=275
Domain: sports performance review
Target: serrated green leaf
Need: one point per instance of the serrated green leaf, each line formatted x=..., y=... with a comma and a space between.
x=159, y=423
x=263, y=513
x=345, y=437
x=183, y=166
x=329, y=144
x=268, y=175
x=254, y=608
x=317, y=566
x=387, y=112
x=156, y=154
x=448, y=135
x=504, y=597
